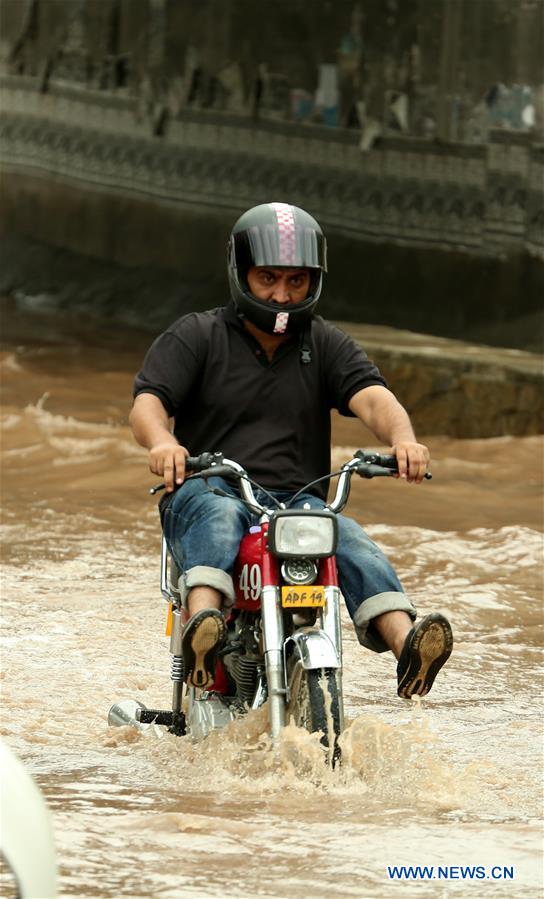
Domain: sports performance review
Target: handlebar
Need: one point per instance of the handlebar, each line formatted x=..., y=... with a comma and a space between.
x=365, y=463
x=199, y=464
x=369, y=457
x=213, y=465
x=372, y=465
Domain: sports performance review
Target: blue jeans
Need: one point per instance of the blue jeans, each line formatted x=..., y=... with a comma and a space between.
x=203, y=532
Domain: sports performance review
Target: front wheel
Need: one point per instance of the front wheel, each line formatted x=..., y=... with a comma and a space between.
x=315, y=705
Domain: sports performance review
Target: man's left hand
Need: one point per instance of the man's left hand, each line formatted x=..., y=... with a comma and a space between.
x=412, y=459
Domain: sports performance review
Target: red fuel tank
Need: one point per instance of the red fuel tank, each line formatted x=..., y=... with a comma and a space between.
x=248, y=573
x=255, y=568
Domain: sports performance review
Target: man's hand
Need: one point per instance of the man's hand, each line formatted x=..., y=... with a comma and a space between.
x=380, y=411
x=168, y=460
x=412, y=459
x=150, y=426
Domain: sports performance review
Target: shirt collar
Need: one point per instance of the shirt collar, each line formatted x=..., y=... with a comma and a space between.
x=231, y=316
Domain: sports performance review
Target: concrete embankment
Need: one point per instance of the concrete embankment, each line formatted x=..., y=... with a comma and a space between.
x=449, y=386
x=456, y=388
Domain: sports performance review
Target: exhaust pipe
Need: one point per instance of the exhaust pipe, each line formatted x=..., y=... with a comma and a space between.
x=123, y=714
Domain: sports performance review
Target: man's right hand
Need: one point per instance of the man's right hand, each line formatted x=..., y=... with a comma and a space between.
x=168, y=460
x=150, y=425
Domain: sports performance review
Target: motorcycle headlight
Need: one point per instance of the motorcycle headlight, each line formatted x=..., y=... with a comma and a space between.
x=299, y=571
x=312, y=533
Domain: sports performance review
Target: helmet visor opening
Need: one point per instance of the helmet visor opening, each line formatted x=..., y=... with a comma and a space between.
x=266, y=245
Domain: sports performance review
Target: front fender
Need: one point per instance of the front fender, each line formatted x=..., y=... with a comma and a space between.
x=315, y=649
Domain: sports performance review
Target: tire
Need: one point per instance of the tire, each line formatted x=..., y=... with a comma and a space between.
x=314, y=704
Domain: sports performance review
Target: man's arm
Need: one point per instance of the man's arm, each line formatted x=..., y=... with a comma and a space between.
x=151, y=428
x=382, y=413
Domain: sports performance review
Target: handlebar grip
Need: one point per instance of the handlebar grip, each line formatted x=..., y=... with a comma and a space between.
x=379, y=465
x=387, y=461
x=216, y=471
x=368, y=470
x=191, y=463
x=371, y=458
x=199, y=463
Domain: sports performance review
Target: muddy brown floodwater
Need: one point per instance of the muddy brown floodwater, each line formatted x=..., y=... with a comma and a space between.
x=453, y=781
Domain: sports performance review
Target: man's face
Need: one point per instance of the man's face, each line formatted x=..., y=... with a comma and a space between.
x=279, y=285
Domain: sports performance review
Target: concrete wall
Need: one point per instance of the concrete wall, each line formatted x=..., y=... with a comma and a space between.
x=485, y=198
x=436, y=237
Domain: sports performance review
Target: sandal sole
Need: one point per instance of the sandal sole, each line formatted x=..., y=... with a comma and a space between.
x=203, y=643
x=431, y=647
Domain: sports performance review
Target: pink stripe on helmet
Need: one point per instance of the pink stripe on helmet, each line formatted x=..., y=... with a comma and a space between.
x=286, y=230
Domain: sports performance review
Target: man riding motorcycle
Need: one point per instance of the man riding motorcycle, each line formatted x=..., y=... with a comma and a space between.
x=256, y=380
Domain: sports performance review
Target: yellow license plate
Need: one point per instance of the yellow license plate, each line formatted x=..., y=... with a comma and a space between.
x=303, y=597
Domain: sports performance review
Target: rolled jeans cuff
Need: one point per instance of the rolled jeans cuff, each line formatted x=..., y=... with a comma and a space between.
x=205, y=576
x=372, y=607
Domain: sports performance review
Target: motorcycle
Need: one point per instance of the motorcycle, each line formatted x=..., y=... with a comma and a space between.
x=284, y=636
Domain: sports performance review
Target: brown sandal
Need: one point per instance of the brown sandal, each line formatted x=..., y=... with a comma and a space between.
x=427, y=647
x=203, y=635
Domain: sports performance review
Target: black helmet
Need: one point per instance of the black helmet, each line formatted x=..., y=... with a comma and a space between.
x=280, y=236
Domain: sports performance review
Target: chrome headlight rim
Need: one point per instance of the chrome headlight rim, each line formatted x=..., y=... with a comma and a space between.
x=291, y=553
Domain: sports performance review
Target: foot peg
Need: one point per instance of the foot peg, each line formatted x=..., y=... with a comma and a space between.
x=174, y=721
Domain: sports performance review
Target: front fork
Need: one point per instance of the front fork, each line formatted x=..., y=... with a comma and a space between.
x=273, y=635
x=332, y=627
x=274, y=639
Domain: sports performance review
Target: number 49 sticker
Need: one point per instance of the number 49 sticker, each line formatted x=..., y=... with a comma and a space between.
x=250, y=583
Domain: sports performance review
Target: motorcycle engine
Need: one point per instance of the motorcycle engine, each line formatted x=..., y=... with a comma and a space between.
x=245, y=659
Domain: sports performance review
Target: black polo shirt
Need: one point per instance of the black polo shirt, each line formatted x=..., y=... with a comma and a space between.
x=273, y=417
